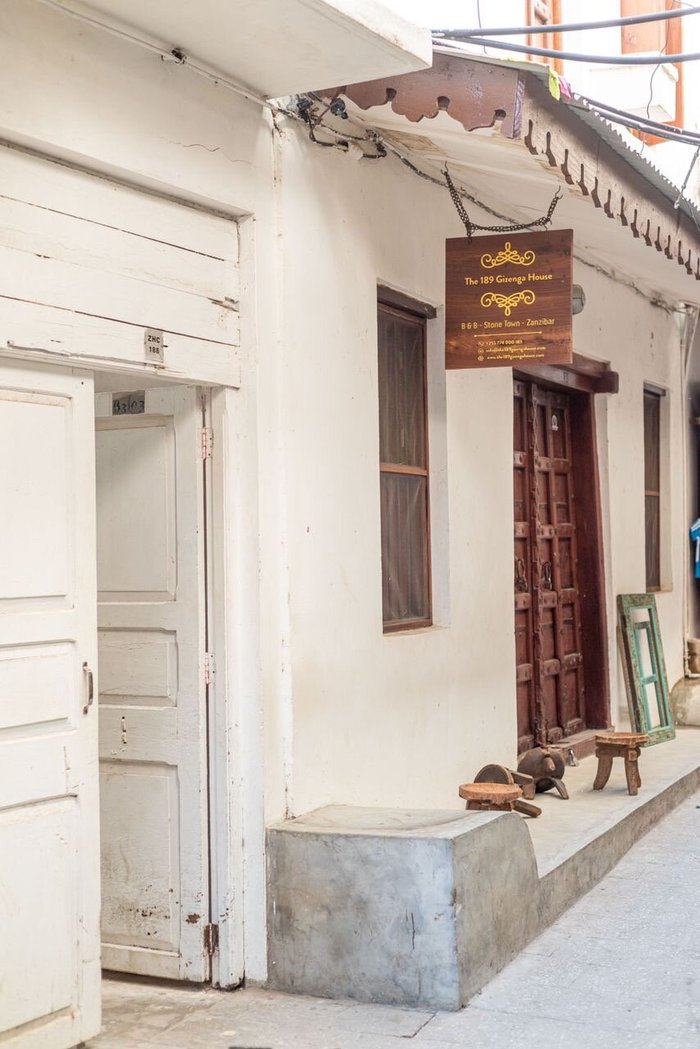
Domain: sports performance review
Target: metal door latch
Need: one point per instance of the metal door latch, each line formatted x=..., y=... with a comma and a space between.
x=90, y=685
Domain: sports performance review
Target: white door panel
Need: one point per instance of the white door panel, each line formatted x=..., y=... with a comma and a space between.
x=151, y=593
x=49, y=860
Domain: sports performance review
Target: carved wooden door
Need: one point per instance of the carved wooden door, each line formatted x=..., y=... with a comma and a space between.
x=549, y=657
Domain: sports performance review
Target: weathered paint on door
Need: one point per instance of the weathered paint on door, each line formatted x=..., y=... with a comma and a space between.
x=49, y=859
x=153, y=756
x=549, y=656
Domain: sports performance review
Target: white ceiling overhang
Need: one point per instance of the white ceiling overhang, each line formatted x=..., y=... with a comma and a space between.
x=511, y=146
x=278, y=47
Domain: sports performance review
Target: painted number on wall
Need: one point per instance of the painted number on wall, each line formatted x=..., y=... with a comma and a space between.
x=129, y=403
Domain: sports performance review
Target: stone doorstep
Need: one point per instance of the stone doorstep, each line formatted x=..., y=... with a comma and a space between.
x=423, y=908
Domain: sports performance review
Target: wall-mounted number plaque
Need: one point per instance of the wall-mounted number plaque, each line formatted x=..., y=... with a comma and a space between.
x=508, y=300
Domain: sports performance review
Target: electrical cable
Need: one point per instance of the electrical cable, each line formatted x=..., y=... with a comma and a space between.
x=650, y=127
x=166, y=54
x=610, y=274
x=651, y=81
x=478, y=18
x=384, y=147
x=379, y=144
x=566, y=27
x=686, y=139
x=681, y=191
x=653, y=124
x=575, y=56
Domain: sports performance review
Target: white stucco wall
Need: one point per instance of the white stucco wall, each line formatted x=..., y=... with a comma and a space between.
x=382, y=719
x=643, y=343
x=324, y=707
x=401, y=720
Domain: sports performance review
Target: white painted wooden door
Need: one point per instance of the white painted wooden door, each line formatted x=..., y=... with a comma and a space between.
x=49, y=833
x=153, y=717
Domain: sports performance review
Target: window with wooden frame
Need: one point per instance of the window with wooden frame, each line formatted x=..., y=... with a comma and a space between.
x=652, y=37
x=542, y=13
x=652, y=487
x=403, y=469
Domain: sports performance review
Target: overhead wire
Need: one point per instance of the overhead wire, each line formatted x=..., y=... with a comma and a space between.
x=653, y=77
x=687, y=177
x=575, y=56
x=635, y=123
x=178, y=56
x=382, y=146
x=441, y=183
x=167, y=54
x=567, y=27
x=655, y=124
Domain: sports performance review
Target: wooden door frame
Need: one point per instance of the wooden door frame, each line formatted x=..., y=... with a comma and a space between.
x=581, y=382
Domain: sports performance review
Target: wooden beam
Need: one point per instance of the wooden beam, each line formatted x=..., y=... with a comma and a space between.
x=401, y=301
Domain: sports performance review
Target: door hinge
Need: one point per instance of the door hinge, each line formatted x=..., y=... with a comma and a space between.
x=209, y=668
x=206, y=442
x=211, y=939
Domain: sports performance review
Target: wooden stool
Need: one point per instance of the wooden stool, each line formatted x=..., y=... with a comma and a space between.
x=619, y=745
x=490, y=797
x=502, y=774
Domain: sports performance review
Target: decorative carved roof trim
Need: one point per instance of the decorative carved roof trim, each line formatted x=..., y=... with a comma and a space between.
x=584, y=160
x=475, y=95
x=517, y=103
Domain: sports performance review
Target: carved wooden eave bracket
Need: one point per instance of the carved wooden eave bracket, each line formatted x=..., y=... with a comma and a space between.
x=518, y=106
x=475, y=94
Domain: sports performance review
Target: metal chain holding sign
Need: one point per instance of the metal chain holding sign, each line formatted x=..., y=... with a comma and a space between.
x=543, y=221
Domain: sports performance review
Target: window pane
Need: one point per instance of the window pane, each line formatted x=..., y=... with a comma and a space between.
x=652, y=414
x=405, y=591
x=652, y=481
x=401, y=390
x=653, y=558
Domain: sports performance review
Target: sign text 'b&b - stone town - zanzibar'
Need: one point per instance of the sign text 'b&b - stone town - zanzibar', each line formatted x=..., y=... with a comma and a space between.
x=508, y=300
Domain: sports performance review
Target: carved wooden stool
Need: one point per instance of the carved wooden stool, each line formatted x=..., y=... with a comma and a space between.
x=490, y=797
x=619, y=745
x=502, y=774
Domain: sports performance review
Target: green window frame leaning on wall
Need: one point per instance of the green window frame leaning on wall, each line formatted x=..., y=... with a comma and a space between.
x=644, y=667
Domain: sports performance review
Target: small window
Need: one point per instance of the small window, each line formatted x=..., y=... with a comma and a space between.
x=403, y=470
x=652, y=488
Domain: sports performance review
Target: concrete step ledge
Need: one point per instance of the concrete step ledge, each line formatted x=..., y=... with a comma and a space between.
x=423, y=908
x=564, y=884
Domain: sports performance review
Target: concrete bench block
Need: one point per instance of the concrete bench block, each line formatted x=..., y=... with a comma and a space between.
x=404, y=908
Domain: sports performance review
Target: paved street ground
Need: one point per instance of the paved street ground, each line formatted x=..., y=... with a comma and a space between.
x=620, y=969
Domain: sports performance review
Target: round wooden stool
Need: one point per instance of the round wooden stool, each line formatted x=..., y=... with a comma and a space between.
x=490, y=797
x=619, y=745
x=502, y=774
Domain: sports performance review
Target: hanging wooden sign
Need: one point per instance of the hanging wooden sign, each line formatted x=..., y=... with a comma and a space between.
x=508, y=300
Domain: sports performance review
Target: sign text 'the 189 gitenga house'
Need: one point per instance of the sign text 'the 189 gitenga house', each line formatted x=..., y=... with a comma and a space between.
x=508, y=300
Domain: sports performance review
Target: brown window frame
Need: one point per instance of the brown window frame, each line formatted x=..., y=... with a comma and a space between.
x=652, y=490
x=545, y=12
x=672, y=33
x=416, y=313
